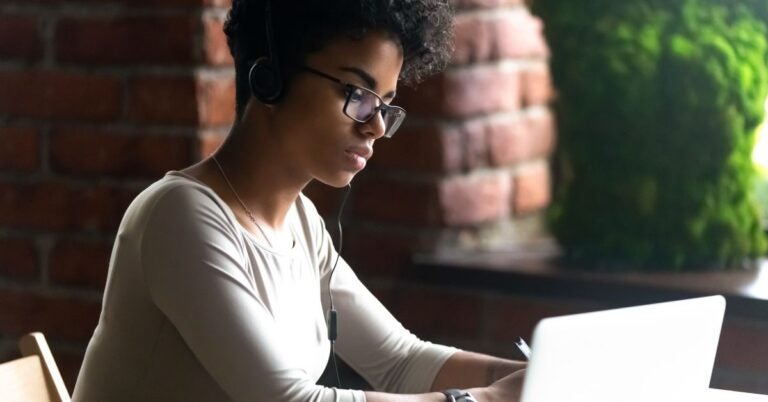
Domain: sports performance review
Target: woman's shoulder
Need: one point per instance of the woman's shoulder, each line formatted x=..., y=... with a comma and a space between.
x=174, y=195
x=173, y=187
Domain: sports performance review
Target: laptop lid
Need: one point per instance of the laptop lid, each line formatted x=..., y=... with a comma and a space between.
x=657, y=352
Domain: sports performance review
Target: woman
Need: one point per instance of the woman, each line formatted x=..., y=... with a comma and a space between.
x=222, y=273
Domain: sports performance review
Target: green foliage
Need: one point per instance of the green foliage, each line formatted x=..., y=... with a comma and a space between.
x=659, y=101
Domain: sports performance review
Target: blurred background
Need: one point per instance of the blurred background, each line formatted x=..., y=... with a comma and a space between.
x=575, y=156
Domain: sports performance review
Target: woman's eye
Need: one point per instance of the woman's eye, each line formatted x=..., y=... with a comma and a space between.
x=356, y=95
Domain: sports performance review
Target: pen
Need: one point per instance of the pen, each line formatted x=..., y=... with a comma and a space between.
x=523, y=348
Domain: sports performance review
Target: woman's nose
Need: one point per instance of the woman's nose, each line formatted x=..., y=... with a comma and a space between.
x=375, y=127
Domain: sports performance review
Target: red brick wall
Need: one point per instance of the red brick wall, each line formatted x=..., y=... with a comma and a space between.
x=100, y=98
x=97, y=100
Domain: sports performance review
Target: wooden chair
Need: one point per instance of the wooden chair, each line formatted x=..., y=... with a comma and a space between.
x=34, y=377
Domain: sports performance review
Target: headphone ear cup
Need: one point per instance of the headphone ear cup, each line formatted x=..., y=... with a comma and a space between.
x=264, y=79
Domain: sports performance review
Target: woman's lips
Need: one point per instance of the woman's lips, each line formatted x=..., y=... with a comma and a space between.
x=359, y=155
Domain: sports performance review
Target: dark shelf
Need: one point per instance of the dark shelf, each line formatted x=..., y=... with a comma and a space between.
x=537, y=270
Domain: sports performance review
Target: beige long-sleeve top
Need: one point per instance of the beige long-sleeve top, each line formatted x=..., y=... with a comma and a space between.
x=198, y=309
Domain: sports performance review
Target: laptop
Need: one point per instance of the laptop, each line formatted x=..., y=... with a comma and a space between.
x=652, y=353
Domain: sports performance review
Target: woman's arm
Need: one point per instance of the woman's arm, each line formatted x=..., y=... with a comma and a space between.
x=392, y=359
x=196, y=272
x=468, y=369
x=471, y=371
x=382, y=397
x=507, y=389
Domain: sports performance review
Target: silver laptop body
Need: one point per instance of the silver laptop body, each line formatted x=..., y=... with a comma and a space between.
x=652, y=353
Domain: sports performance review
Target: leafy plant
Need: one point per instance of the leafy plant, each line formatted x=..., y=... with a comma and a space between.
x=658, y=105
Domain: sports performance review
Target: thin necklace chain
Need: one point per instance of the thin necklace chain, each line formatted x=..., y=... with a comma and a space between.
x=242, y=204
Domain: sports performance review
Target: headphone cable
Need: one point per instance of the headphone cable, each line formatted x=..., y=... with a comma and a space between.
x=332, y=314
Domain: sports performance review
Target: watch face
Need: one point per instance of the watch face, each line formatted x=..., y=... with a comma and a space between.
x=467, y=398
x=457, y=395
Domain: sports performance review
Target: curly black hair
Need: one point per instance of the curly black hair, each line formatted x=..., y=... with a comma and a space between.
x=423, y=28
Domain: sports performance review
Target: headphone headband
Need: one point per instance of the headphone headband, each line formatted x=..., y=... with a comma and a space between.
x=264, y=77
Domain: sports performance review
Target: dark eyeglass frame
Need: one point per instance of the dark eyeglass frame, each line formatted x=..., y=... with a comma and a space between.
x=383, y=107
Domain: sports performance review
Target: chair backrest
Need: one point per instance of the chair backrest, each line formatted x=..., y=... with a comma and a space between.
x=33, y=377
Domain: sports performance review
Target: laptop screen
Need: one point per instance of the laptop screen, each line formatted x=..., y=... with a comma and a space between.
x=656, y=352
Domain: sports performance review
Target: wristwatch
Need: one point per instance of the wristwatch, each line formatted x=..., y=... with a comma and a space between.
x=458, y=395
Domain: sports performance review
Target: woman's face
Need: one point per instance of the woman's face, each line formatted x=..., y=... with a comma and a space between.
x=319, y=141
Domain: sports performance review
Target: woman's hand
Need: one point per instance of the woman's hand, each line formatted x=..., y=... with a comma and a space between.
x=507, y=389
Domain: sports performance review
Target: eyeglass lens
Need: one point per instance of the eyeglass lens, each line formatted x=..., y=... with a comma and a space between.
x=362, y=105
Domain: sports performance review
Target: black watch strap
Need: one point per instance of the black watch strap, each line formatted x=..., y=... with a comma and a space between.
x=458, y=395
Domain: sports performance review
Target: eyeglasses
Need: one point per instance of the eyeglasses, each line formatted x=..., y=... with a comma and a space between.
x=362, y=104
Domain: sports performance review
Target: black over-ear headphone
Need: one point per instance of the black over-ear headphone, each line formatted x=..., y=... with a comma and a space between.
x=264, y=77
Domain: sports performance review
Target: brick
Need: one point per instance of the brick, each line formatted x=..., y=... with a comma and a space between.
x=20, y=38
x=455, y=201
x=416, y=203
x=542, y=133
x=55, y=316
x=474, y=199
x=536, y=84
x=215, y=42
x=216, y=100
x=481, y=90
x=18, y=259
x=80, y=263
x=60, y=95
x=55, y=206
x=424, y=99
x=183, y=99
x=432, y=312
x=520, y=138
x=531, y=189
x=507, y=33
x=521, y=36
x=126, y=40
x=436, y=148
x=118, y=154
x=465, y=92
x=29, y=205
x=509, y=141
x=19, y=148
x=475, y=145
x=472, y=39
x=163, y=99
x=431, y=148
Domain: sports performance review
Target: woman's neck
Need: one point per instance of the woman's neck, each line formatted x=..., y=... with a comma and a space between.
x=259, y=177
